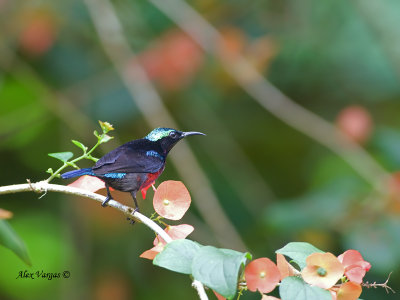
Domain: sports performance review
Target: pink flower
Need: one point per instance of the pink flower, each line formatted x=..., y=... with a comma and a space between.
x=355, y=266
x=171, y=200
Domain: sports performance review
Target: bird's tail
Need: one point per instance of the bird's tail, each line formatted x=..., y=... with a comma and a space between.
x=75, y=173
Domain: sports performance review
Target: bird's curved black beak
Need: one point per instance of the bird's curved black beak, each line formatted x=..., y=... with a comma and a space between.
x=185, y=134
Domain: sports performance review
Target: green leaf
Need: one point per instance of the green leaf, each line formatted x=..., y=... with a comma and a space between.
x=298, y=252
x=10, y=239
x=80, y=145
x=294, y=288
x=177, y=256
x=63, y=156
x=219, y=269
x=105, y=138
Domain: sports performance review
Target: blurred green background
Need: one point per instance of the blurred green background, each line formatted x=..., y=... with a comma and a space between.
x=338, y=59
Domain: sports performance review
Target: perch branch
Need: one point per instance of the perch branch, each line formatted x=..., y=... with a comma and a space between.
x=44, y=187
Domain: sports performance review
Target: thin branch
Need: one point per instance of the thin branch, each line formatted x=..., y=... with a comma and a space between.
x=200, y=289
x=44, y=187
x=271, y=98
x=384, y=285
x=156, y=114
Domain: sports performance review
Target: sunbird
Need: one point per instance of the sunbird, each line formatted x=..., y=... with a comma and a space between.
x=136, y=164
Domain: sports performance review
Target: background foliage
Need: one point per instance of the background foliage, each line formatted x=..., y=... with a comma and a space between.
x=275, y=184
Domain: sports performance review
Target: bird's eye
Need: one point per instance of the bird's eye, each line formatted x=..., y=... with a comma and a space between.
x=173, y=134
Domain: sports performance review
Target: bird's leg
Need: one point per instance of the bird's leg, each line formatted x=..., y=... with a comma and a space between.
x=104, y=204
x=134, y=199
x=133, y=193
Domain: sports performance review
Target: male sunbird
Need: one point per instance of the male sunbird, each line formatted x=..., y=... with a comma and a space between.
x=135, y=165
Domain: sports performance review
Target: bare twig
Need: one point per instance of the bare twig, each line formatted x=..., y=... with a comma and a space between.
x=271, y=98
x=156, y=114
x=200, y=289
x=44, y=186
x=384, y=285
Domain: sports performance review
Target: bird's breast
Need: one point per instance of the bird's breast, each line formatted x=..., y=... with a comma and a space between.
x=151, y=177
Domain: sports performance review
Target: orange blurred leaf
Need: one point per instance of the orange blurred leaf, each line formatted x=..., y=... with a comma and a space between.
x=5, y=214
x=38, y=32
x=173, y=60
x=232, y=43
x=111, y=284
x=171, y=200
x=261, y=52
x=356, y=123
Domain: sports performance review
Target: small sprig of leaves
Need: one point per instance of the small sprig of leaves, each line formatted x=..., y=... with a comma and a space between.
x=87, y=154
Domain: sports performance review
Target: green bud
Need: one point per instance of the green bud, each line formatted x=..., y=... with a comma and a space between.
x=105, y=126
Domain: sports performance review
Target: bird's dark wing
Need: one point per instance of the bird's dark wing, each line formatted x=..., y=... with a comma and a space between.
x=128, y=160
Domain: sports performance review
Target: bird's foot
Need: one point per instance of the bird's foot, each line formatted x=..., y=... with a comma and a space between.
x=108, y=198
x=104, y=204
x=129, y=219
